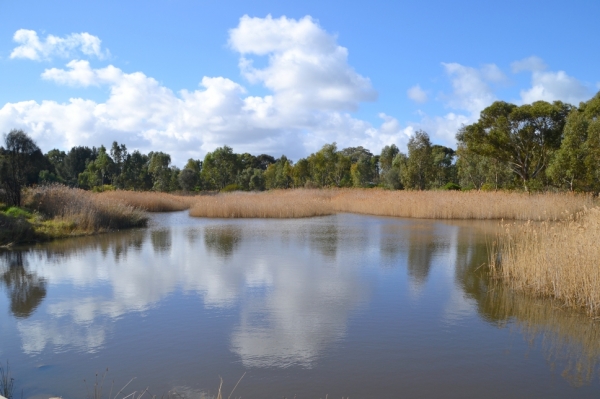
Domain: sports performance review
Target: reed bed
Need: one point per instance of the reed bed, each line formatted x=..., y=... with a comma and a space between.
x=82, y=211
x=150, y=201
x=460, y=205
x=270, y=204
x=407, y=204
x=556, y=260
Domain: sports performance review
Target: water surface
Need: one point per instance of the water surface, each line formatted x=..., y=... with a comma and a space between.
x=343, y=305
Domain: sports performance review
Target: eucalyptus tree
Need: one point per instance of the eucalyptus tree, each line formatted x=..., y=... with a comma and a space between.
x=523, y=137
x=418, y=169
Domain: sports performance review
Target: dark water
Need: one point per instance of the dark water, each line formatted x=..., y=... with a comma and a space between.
x=345, y=305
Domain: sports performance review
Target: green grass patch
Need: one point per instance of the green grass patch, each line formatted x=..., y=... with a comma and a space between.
x=17, y=212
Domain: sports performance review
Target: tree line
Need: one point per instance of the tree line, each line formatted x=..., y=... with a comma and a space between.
x=538, y=146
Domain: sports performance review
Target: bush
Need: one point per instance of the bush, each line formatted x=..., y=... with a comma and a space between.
x=103, y=188
x=231, y=187
x=16, y=212
x=451, y=186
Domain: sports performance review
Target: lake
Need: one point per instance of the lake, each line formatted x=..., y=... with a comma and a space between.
x=343, y=305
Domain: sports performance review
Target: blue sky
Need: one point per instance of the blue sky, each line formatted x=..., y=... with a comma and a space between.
x=282, y=77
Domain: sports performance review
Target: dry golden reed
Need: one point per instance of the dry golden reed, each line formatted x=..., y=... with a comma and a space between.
x=558, y=260
x=459, y=205
x=407, y=204
x=150, y=201
x=269, y=204
x=83, y=210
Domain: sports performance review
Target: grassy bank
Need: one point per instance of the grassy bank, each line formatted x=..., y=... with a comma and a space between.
x=58, y=211
x=408, y=204
x=556, y=260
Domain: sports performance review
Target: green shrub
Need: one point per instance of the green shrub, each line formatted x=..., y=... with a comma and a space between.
x=16, y=212
x=101, y=189
x=488, y=187
x=451, y=186
x=231, y=187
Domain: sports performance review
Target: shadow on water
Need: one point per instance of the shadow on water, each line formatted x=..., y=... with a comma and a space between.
x=26, y=290
x=222, y=240
x=569, y=340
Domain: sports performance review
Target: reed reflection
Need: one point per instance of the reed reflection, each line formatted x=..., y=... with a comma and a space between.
x=570, y=341
x=26, y=289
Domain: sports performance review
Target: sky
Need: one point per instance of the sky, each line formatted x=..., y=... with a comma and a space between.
x=274, y=77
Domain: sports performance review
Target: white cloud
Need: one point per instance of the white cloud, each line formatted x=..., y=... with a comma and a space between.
x=533, y=63
x=306, y=67
x=417, y=94
x=550, y=86
x=311, y=83
x=471, y=87
x=31, y=47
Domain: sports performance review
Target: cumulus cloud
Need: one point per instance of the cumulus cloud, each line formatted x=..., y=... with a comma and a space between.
x=306, y=67
x=312, y=88
x=33, y=48
x=548, y=85
x=471, y=86
x=417, y=94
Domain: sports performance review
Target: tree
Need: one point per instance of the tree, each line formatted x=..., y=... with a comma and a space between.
x=443, y=167
x=417, y=172
x=188, y=179
x=18, y=161
x=75, y=162
x=567, y=167
x=388, y=153
x=279, y=174
x=523, y=137
x=220, y=167
x=362, y=172
x=158, y=166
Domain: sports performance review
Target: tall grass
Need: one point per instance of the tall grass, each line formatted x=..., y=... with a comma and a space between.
x=270, y=204
x=82, y=210
x=459, y=205
x=558, y=260
x=408, y=204
x=150, y=201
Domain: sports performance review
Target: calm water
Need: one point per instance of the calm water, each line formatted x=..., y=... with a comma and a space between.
x=343, y=305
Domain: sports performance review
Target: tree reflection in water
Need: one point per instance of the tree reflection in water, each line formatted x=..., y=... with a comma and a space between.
x=222, y=240
x=161, y=240
x=421, y=249
x=26, y=290
x=568, y=339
